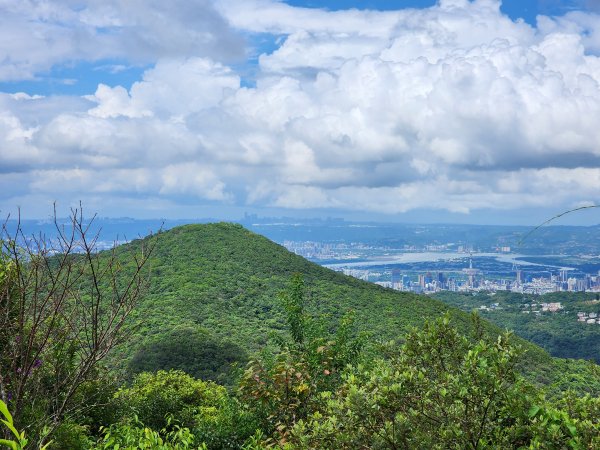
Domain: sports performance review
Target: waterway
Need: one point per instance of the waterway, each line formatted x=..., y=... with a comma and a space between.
x=419, y=257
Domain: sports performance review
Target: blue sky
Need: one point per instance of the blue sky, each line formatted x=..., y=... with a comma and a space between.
x=415, y=110
x=82, y=77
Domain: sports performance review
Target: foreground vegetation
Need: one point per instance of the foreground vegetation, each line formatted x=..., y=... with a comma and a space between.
x=229, y=347
x=439, y=389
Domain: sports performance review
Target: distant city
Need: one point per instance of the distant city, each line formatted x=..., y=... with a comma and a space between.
x=423, y=258
x=445, y=267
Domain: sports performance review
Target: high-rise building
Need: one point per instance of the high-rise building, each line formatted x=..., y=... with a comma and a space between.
x=428, y=278
x=441, y=280
x=471, y=273
x=396, y=279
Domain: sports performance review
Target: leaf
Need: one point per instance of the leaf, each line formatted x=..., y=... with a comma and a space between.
x=11, y=444
x=533, y=411
x=45, y=447
x=11, y=428
x=5, y=412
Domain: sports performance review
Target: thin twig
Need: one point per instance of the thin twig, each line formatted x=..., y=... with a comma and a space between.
x=554, y=218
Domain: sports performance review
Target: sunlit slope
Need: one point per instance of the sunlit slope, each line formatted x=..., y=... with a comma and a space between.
x=225, y=279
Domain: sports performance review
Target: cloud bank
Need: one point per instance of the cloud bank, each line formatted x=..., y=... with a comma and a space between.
x=454, y=107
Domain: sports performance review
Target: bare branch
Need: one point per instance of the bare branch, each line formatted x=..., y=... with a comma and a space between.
x=64, y=305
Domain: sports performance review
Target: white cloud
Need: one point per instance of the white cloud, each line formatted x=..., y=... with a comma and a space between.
x=171, y=88
x=36, y=35
x=453, y=107
x=194, y=179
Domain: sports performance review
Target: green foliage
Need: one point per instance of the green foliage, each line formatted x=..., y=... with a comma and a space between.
x=16, y=440
x=9, y=435
x=559, y=332
x=296, y=318
x=440, y=391
x=133, y=435
x=553, y=428
x=287, y=388
x=579, y=412
x=437, y=380
x=227, y=427
x=214, y=418
x=452, y=383
x=71, y=436
x=96, y=404
x=154, y=396
x=226, y=280
x=194, y=351
x=62, y=309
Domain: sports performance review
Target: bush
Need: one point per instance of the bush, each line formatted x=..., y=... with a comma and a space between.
x=71, y=436
x=439, y=390
x=154, y=396
x=133, y=435
x=215, y=419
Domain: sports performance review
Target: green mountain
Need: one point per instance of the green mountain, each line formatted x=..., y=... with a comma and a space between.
x=214, y=288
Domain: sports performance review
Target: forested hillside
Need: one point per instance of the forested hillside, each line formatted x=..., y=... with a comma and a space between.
x=234, y=342
x=215, y=289
x=226, y=279
x=223, y=281
x=566, y=331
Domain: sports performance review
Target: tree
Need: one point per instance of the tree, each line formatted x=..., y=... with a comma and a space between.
x=289, y=386
x=193, y=350
x=215, y=419
x=438, y=390
x=63, y=308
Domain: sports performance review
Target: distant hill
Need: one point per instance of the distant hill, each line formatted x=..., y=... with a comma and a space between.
x=224, y=281
x=559, y=240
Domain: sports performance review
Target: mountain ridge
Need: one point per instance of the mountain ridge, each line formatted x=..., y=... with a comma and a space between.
x=224, y=279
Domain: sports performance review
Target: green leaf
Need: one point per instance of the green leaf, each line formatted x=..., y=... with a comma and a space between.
x=10, y=426
x=533, y=411
x=11, y=444
x=5, y=412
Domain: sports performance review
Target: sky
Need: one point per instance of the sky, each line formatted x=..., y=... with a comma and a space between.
x=409, y=110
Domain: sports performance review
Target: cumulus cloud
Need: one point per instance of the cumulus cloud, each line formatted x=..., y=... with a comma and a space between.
x=454, y=107
x=172, y=87
x=36, y=35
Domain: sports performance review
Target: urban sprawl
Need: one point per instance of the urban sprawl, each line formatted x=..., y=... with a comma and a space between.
x=465, y=279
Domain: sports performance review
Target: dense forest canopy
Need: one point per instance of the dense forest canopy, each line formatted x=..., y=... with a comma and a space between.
x=233, y=342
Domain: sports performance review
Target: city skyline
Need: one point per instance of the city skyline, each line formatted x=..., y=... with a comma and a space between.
x=431, y=268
